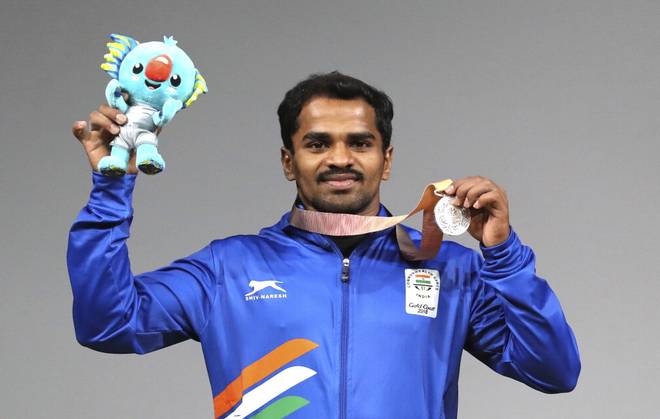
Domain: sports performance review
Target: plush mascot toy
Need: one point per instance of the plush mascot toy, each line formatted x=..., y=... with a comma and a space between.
x=160, y=80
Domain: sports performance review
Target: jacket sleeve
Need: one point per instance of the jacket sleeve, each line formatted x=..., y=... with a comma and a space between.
x=517, y=326
x=116, y=311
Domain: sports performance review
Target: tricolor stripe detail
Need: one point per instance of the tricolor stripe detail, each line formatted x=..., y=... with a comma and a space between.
x=264, y=393
x=224, y=401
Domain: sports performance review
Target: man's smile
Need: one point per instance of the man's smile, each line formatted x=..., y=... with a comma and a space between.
x=340, y=181
x=341, y=184
x=345, y=181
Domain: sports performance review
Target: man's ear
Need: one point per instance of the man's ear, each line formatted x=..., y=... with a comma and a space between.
x=286, y=157
x=387, y=165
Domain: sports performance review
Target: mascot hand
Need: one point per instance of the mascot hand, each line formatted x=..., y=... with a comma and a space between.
x=170, y=108
x=114, y=97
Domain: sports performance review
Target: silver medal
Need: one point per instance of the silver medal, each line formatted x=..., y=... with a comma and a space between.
x=452, y=220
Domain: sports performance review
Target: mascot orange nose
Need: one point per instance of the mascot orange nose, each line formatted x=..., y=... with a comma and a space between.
x=159, y=68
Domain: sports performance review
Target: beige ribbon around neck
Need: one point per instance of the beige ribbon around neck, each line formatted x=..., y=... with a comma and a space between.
x=333, y=224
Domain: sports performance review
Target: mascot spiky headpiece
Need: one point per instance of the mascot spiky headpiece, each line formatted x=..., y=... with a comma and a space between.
x=117, y=50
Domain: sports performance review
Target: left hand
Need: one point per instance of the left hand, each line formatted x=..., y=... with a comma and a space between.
x=489, y=208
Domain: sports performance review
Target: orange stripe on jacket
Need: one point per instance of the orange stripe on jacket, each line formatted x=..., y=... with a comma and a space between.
x=258, y=370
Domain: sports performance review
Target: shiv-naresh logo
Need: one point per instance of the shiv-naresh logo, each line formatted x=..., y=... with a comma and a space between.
x=259, y=286
x=241, y=403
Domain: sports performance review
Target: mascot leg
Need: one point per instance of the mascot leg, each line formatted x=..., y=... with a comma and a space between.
x=116, y=164
x=148, y=160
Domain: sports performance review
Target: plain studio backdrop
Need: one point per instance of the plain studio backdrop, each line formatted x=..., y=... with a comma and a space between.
x=557, y=101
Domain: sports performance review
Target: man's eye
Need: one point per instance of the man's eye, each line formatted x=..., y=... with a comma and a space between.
x=361, y=144
x=316, y=145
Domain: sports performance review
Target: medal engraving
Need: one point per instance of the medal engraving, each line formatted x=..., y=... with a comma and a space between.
x=452, y=220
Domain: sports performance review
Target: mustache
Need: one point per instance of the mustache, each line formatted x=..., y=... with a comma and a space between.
x=325, y=176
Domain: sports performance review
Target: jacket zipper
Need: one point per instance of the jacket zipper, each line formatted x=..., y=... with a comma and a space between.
x=345, y=277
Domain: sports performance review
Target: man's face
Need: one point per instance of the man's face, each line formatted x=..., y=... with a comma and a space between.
x=338, y=160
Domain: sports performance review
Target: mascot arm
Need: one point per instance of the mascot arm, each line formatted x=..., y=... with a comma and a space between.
x=114, y=97
x=170, y=108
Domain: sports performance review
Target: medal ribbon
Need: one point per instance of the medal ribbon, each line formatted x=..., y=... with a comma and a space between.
x=332, y=224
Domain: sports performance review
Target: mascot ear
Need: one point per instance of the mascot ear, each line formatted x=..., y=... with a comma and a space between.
x=198, y=88
x=117, y=50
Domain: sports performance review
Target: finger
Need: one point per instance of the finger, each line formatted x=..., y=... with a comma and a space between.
x=492, y=199
x=99, y=121
x=463, y=186
x=451, y=189
x=80, y=130
x=476, y=191
x=113, y=114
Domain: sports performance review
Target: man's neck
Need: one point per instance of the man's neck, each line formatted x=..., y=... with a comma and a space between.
x=367, y=212
x=347, y=244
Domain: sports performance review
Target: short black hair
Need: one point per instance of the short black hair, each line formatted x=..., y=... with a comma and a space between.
x=334, y=85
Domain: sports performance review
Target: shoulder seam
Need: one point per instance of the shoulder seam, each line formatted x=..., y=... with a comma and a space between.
x=216, y=289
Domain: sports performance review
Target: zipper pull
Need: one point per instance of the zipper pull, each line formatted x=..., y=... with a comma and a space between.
x=345, y=269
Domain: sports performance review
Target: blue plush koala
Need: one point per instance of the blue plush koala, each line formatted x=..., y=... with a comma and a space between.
x=160, y=79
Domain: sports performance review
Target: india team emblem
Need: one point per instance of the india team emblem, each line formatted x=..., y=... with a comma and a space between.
x=422, y=292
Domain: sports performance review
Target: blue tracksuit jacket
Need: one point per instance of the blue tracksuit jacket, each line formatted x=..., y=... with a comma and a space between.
x=288, y=326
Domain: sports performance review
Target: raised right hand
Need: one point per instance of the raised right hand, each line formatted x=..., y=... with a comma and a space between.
x=103, y=127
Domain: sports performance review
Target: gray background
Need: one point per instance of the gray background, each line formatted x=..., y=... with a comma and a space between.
x=557, y=101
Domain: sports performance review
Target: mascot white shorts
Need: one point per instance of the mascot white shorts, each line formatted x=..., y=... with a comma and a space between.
x=139, y=129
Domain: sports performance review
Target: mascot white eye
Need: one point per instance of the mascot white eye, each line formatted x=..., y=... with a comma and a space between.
x=137, y=68
x=175, y=80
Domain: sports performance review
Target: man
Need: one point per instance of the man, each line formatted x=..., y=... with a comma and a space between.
x=294, y=322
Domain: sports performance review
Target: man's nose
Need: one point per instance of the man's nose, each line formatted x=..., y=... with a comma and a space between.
x=340, y=155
